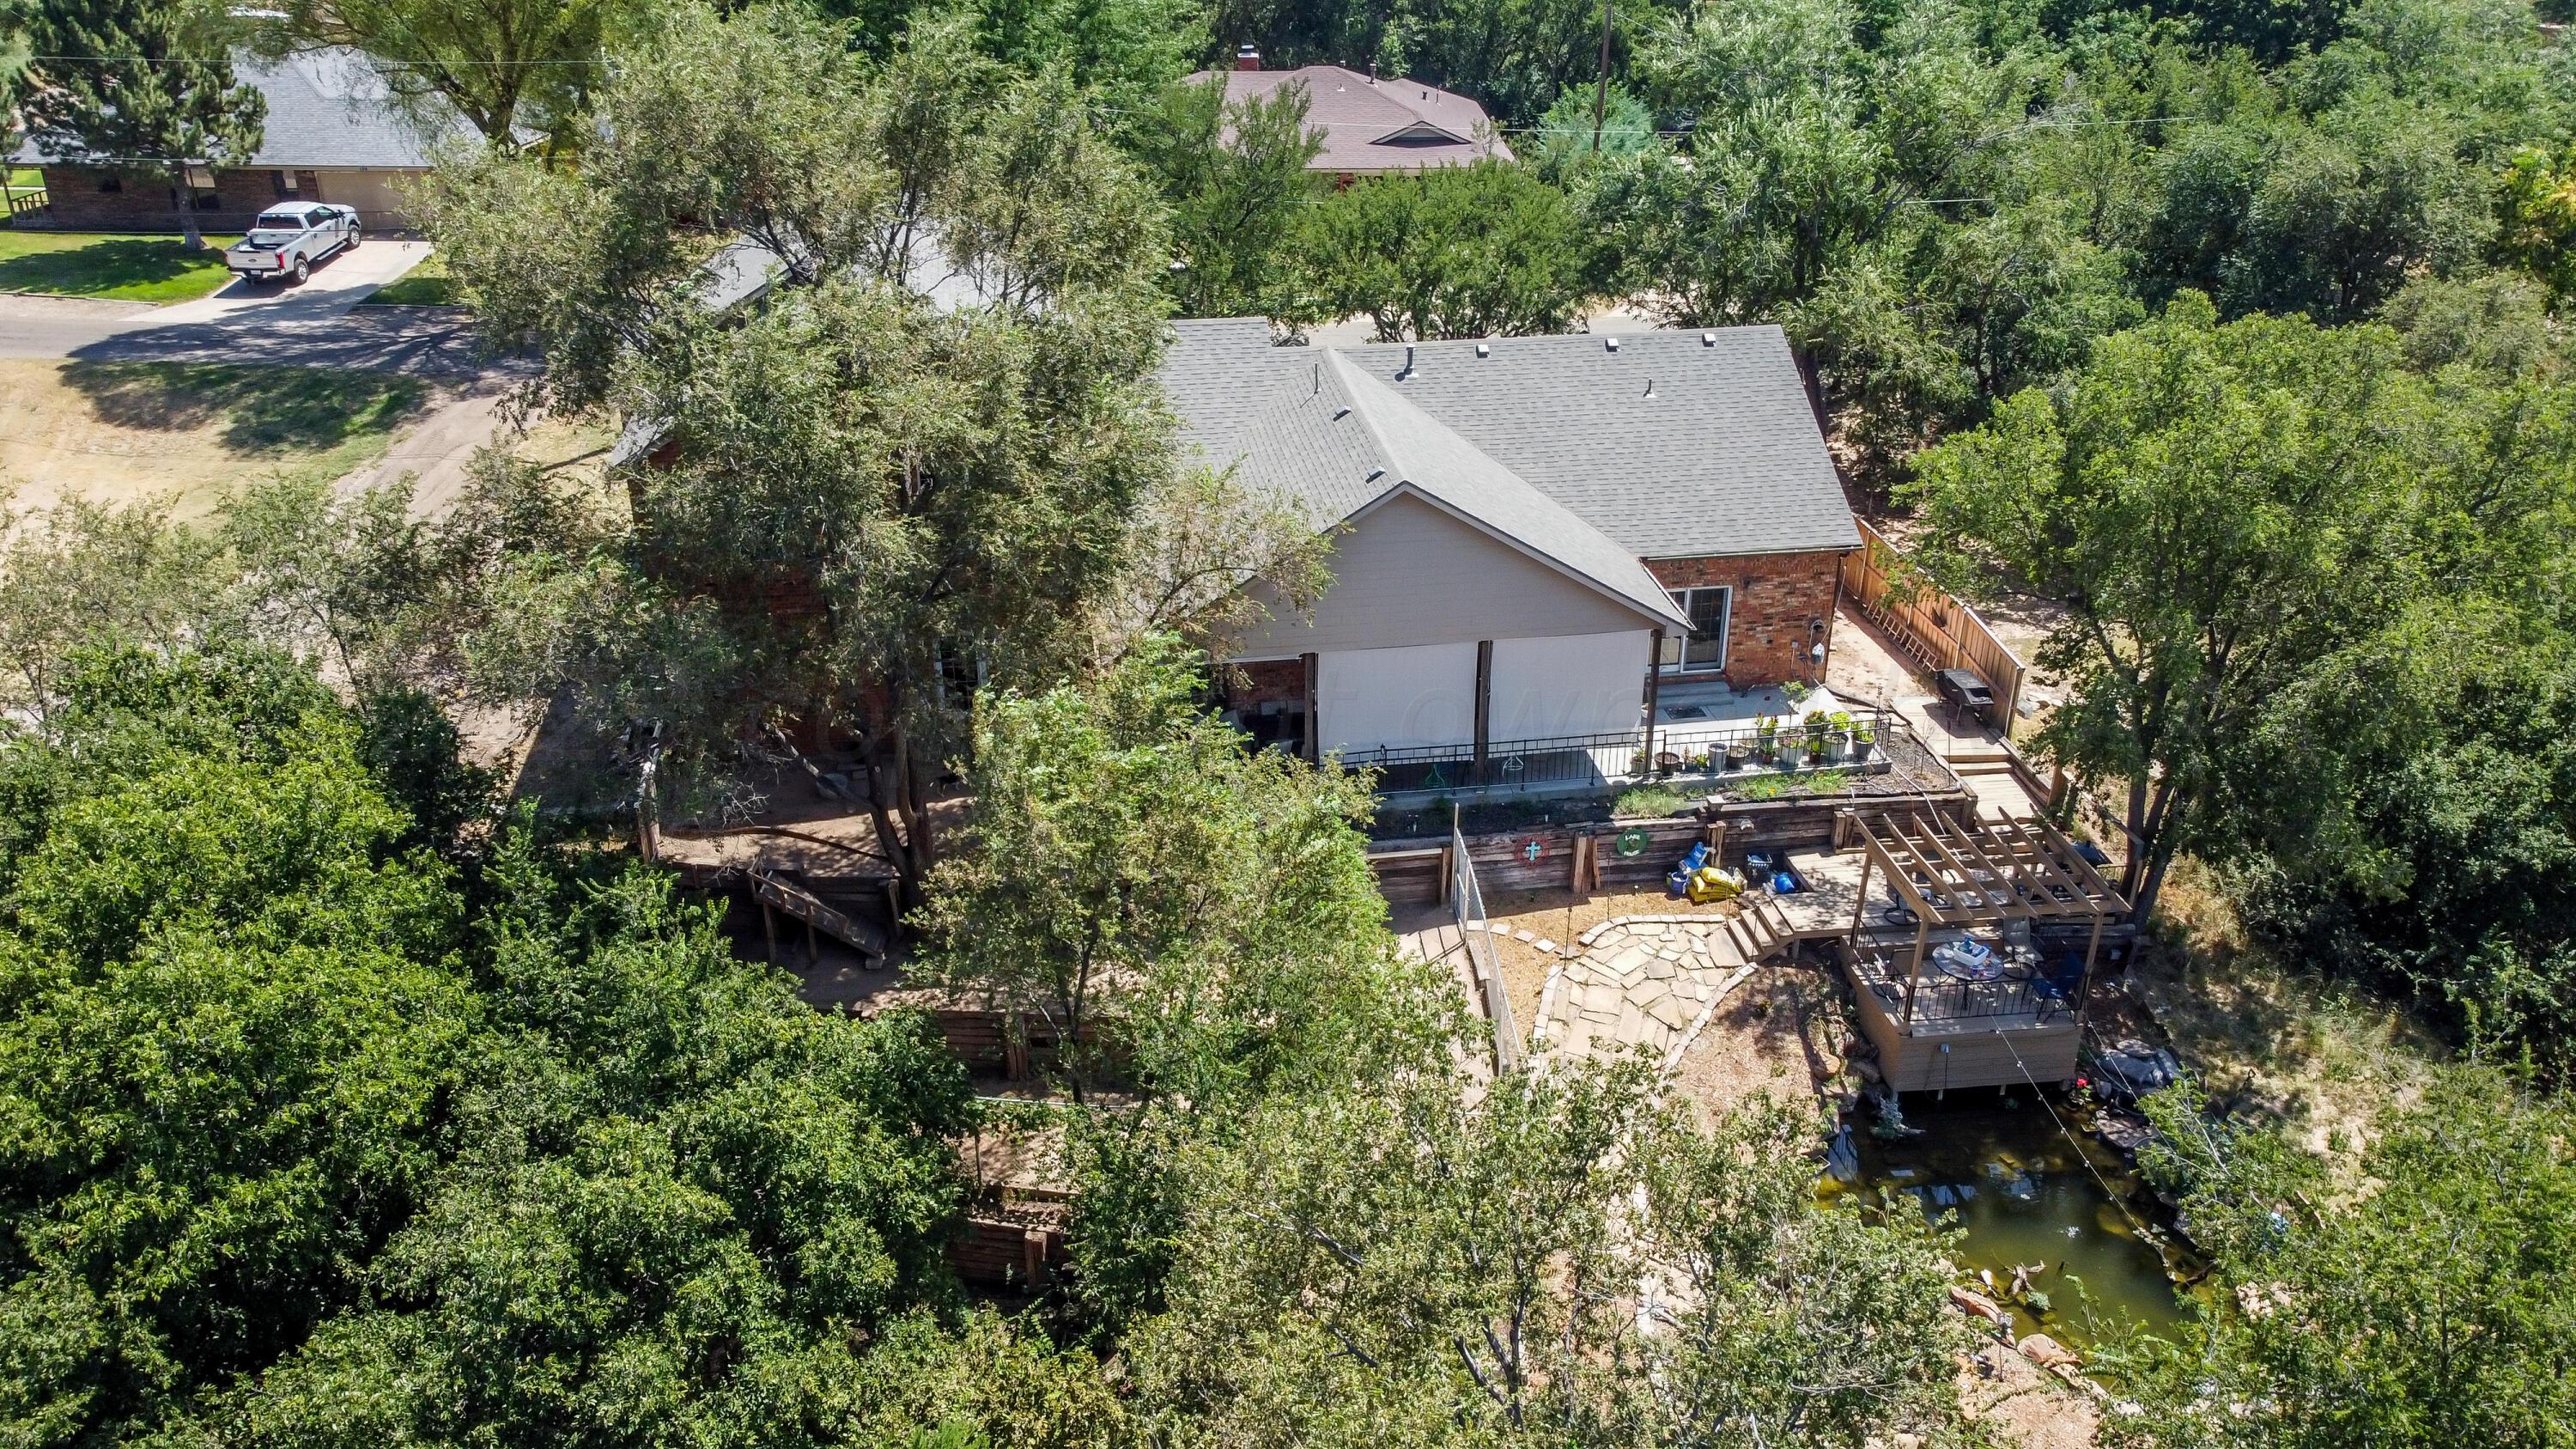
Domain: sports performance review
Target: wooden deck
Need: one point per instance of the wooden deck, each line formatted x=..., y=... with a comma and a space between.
x=1824, y=910
x=1963, y=1035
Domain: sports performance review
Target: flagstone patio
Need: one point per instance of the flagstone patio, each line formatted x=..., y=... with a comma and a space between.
x=1647, y=982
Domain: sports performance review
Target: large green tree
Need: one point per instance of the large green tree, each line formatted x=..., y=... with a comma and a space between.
x=1153, y=891
x=916, y=459
x=314, y=1137
x=1486, y=250
x=2411, y=1296
x=231, y=1039
x=1548, y=1260
x=2215, y=508
x=513, y=69
x=144, y=84
x=1235, y=178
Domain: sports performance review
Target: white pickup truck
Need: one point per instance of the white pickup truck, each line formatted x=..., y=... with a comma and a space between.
x=291, y=238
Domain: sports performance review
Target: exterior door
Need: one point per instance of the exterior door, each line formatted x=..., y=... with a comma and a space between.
x=1703, y=649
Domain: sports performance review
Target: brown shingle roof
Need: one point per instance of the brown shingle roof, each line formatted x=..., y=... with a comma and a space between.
x=1373, y=125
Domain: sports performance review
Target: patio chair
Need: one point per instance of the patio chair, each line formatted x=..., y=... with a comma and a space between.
x=2057, y=981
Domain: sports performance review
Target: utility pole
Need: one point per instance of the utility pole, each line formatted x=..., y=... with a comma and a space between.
x=1601, y=87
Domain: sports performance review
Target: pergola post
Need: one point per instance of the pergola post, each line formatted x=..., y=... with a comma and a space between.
x=2084, y=983
x=1914, y=971
x=1860, y=909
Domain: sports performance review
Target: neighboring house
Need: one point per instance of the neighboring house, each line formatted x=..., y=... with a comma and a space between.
x=1371, y=126
x=1529, y=529
x=334, y=133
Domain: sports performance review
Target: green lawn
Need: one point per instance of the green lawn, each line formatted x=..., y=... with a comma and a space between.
x=426, y=285
x=26, y=178
x=127, y=268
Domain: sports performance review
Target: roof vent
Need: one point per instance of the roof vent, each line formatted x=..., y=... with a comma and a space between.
x=1319, y=379
x=1341, y=412
x=1408, y=363
x=1610, y=342
x=1650, y=389
x=1375, y=474
x=1484, y=349
x=1708, y=339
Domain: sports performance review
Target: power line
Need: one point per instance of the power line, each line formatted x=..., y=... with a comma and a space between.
x=373, y=62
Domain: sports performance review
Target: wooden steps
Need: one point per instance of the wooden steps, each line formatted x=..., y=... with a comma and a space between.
x=1758, y=930
x=775, y=892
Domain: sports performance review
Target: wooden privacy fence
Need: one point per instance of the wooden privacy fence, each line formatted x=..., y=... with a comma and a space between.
x=1937, y=629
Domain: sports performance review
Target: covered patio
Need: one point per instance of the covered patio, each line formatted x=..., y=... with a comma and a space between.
x=1973, y=969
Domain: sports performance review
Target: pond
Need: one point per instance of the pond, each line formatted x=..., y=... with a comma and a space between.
x=2025, y=1193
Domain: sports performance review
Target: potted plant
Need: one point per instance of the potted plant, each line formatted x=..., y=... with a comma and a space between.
x=1838, y=736
x=1863, y=737
x=1738, y=750
x=1766, y=737
x=1637, y=763
x=1817, y=727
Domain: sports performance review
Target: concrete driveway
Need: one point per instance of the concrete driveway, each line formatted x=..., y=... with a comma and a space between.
x=335, y=286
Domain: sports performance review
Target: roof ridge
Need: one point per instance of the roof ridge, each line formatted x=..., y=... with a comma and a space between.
x=1364, y=390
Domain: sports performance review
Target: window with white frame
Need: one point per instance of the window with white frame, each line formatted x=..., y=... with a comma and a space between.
x=1703, y=649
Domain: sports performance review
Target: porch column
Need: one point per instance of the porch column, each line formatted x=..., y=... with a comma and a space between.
x=1484, y=704
x=1310, y=737
x=1654, y=689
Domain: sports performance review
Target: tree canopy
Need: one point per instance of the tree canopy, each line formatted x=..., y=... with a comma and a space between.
x=302, y=1121
x=2412, y=1301
x=917, y=458
x=146, y=83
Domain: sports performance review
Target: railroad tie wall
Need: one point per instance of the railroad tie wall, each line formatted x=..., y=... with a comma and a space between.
x=1411, y=872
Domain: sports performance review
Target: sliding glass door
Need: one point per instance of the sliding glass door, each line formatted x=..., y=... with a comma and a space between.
x=1703, y=649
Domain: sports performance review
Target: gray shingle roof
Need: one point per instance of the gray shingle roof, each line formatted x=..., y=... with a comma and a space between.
x=1724, y=457
x=1377, y=125
x=326, y=108
x=1340, y=441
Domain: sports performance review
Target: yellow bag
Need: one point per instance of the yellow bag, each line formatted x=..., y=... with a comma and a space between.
x=1710, y=883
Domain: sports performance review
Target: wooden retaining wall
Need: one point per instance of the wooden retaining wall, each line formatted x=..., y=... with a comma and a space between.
x=1007, y=1252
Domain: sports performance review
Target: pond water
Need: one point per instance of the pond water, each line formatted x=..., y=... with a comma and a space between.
x=2025, y=1193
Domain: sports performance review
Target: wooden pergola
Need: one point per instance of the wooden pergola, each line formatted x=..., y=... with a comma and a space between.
x=1981, y=873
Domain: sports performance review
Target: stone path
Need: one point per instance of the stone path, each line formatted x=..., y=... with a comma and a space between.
x=1639, y=981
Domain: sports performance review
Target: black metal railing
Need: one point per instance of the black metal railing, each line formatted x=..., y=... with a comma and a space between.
x=1622, y=757
x=2044, y=991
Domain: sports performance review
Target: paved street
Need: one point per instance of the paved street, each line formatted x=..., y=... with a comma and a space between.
x=308, y=326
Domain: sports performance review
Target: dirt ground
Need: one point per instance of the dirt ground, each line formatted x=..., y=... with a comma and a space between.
x=2324, y=1059
x=124, y=432
x=1867, y=665
x=2029, y=1407
x=1762, y=1041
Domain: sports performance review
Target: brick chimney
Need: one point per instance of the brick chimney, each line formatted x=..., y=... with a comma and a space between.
x=1246, y=58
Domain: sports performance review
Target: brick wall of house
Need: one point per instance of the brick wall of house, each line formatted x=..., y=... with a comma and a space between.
x=75, y=200
x=1266, y=680
x=1778, y=596
x=143, y=201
